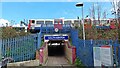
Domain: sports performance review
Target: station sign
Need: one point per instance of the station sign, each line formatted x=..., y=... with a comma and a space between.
x=55, y=37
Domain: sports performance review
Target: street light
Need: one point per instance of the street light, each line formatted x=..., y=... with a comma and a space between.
x=81, y=5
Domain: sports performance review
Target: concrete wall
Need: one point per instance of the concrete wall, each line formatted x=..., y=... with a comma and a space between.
x=25, y=63
x=70, y=53
x=43, y=54
x=37, y=55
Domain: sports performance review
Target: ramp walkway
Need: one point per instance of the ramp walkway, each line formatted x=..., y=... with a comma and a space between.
x=57, y=61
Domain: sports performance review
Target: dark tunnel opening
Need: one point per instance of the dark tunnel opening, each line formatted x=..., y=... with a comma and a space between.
x=56, y=48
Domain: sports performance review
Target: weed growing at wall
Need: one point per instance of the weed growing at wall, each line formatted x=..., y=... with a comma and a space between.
x=78, y=63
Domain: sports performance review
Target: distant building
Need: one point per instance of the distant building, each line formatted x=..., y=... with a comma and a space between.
x=4, y=23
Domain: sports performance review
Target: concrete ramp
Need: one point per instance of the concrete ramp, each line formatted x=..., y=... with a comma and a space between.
x=56, y=61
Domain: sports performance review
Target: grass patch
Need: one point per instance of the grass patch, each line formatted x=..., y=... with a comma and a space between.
x=78, y=63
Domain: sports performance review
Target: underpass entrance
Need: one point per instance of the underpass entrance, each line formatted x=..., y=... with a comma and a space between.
x=56, y=48
x=56, y=51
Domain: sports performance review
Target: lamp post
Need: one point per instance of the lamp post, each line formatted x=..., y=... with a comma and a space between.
x=81, y=5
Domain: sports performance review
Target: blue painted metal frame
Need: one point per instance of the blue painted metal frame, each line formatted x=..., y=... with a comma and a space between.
x=86, y=53
x=21, y=48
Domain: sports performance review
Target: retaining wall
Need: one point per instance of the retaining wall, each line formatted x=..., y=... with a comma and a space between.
x=70, y=52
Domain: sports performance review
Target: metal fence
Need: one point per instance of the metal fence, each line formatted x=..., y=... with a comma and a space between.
x=21, y=48
x=85, y=53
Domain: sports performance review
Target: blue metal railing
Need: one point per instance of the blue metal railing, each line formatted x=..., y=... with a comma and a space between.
x=85, y=53
x=21, y=48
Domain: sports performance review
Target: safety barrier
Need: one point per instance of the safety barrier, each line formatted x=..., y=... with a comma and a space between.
x=85, y=52
x=21, y=48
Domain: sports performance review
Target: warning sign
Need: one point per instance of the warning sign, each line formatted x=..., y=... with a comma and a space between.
x=103, y=56
x=106, y=56
x=96, y=53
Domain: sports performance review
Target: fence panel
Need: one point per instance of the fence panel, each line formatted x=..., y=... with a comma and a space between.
x=20, y=48
x=85, y=53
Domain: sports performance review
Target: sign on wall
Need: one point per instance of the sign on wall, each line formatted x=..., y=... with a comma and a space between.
x=96, y=53
x=106, y=56
x=103, y=56
x=55, y=37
